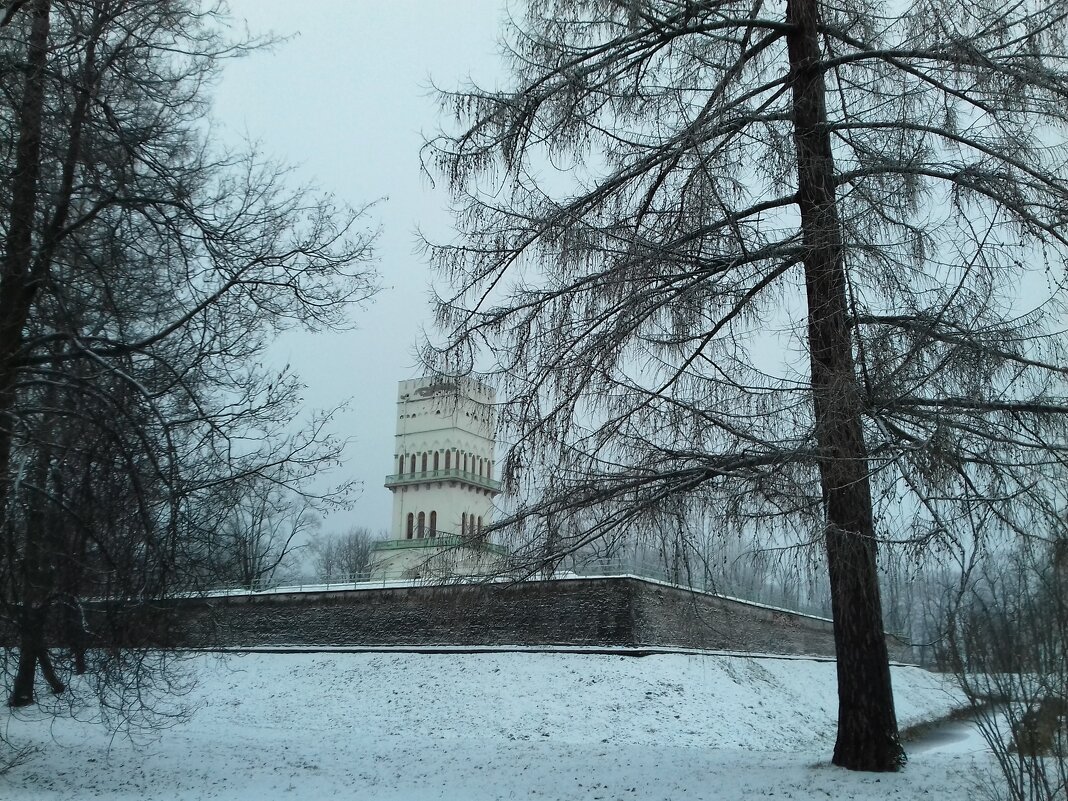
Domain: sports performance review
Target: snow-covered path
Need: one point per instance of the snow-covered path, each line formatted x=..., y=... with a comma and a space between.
x=488, y=726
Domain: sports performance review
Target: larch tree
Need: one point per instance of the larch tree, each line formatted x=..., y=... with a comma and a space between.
x=792, y=266
x=144, y=273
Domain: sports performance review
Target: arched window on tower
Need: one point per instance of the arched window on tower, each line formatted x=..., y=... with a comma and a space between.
x=465, y=462
x=433, y=524
x=435, y=460
x=448, y=459
x=422, y=525
x=479, y=529
x=480, y=465
x=463, y=524
x=424, y=462
x=411, y=524
x=412, y=470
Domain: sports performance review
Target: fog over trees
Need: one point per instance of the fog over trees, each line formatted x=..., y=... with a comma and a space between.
x=796, y=267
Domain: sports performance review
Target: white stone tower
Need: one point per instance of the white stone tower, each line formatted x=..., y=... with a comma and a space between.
x=442, y=482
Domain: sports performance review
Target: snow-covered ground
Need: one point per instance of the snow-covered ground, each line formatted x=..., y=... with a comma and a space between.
x=495, y=725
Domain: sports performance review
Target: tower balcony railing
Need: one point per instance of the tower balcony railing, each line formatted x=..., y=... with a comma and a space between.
x=448, y=474
x=441, y=541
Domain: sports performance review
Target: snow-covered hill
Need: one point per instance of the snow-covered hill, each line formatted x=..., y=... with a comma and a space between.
x=493, y=725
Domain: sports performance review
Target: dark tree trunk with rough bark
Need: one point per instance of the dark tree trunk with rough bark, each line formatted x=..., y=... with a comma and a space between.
x=867, y=725
x=33, y=652
x=40, y=556
x=22, y=690
x=16, y=294
x=16, y=287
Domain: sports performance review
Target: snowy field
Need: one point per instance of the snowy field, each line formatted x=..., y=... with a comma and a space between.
x=495, y=726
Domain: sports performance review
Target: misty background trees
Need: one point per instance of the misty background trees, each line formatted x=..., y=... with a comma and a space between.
x=796, y=267
x=1006, y=642
x=146, y=271
x=257, y=535
x=345, y=555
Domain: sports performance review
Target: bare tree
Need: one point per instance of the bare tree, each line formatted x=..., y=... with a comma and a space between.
x=143, y=276
x=1007, y=640
x=766, y=260
x=344, y=555
x=259, y=533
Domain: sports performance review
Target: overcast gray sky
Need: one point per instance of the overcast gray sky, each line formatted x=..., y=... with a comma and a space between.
x=347, y=102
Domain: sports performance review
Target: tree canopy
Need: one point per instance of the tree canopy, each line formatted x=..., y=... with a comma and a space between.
x=795, y=266
x=145, y=270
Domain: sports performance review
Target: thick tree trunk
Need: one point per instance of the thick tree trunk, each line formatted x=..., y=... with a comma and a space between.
x=49, y=671
x=32, y=652
x=16, y=288
x=16, y=295
x=22, y=691
x=867, y=725
x=40, y=554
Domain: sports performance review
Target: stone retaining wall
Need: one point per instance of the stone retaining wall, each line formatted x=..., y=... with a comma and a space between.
x=620, y=611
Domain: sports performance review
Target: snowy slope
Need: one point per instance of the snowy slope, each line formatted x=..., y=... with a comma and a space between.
x=487, y=726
